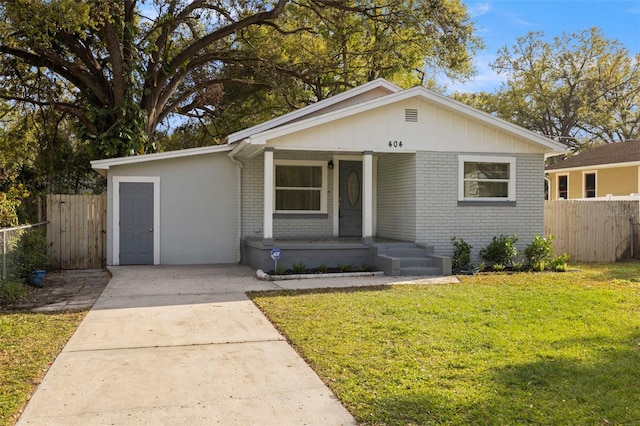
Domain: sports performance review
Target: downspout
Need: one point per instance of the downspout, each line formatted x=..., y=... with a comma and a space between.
x=546, y=179
x=239, y=167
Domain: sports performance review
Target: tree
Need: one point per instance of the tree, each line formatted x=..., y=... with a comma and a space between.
x=122, y=68
x=39, y=150
x=580, y=88
x=405, y=42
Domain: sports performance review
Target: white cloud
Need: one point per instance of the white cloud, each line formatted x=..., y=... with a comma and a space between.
x=523, y=22
x=476, y=9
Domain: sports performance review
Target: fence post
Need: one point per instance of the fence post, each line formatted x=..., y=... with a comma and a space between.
x=632, y=234
x=4, y=256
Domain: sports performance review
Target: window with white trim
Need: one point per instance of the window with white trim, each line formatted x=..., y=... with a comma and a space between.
x=589, y=182
x=486, y=178
x=300, y=186
x=563, y=187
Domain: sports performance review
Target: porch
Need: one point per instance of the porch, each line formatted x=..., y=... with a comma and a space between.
x=394, y=258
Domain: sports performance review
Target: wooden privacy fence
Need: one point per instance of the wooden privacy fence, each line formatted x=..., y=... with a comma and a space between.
x=593, y=231
x=77, y=230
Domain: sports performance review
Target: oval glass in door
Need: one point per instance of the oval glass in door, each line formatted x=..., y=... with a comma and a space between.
x=353, y=188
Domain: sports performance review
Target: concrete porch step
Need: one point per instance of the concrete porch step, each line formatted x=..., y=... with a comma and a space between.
x=420, y=271
x=406, y=262
x=406, y=252
x=409, y=259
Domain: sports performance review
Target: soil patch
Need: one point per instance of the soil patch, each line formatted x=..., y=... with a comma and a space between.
x=69, y=290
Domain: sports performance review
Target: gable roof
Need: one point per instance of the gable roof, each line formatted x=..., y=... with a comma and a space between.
x=259, y=138
x=299, y=114
x=611, y=153
x=380, y=84
x=382, y=92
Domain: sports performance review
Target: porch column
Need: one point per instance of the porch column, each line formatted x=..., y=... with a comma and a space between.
x=367, y=197
x=267, y=219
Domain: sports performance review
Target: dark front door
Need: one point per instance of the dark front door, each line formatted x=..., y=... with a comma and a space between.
x=136, y=223
x=350, y=198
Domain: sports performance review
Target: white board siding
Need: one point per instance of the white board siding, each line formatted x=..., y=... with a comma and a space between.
x=364, y=97
x=397, y=197
x=439, y=217
x=197, y=225
x=283, y=227
x=438, y=129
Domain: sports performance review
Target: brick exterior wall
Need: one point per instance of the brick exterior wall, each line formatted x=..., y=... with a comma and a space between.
x=440, y=217
x=396, y=204
x=252, y=201
x=417, y=200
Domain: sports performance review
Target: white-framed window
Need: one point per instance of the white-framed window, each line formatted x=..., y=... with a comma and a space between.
x=300, y=186
x=589, y=179
x=563, y=187
x=486, y=178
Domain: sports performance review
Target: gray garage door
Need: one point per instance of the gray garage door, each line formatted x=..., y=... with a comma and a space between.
x=136, y=223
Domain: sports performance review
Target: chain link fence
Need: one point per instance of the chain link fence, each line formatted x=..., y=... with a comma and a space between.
x=12, y=249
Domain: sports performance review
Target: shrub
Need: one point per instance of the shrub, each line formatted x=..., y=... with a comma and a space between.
x=11, y=203
x=281, y=270
x=461, y=255
x=518, y=266
x=559, y=263
x=33, y=245
x=11, y=291
x=345, y=267
x=322, y=268
x=539, y=252
x=298, y=268
x=498, y=267
x=366, y=267
x=501, y=250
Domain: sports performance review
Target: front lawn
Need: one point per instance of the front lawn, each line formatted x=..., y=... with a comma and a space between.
x=548, y=348
x=29, y=343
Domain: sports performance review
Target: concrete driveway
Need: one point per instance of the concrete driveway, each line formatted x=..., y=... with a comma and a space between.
x=181, y=345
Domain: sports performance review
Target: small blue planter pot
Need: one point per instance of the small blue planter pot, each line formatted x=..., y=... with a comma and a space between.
x=36, y=278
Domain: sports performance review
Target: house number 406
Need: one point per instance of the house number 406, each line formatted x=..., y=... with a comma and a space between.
x=395, y=144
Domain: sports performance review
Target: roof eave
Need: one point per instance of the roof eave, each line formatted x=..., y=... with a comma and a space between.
x=514, y=129
x=299, y=113
x=101, y=166
x=549, y=145
x=595, y=166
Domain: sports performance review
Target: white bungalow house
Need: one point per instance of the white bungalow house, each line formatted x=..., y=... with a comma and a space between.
x=376, y=175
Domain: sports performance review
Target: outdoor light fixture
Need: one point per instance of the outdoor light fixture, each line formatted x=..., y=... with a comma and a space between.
x=330, y=164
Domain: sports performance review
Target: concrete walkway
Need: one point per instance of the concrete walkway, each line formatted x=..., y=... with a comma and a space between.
x=184, y=345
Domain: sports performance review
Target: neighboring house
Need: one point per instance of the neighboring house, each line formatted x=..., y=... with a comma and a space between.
x=612, y=169
x=375, y=175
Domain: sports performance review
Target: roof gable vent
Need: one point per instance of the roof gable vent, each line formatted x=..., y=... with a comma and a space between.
x=411, y=115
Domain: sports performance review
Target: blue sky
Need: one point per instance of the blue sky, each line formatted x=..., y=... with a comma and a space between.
x=499, y=22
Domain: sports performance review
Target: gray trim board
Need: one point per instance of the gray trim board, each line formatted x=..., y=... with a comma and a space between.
x=300, y=216
x=486, y=203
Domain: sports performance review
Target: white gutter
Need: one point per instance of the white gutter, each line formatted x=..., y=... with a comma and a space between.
x=239, y=167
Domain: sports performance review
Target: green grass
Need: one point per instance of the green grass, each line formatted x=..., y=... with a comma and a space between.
x=12, y=291
x=502, y=349
x=29, y=343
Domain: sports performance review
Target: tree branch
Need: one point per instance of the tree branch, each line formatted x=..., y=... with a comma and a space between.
x=65, y=69
x=117, y=63
x=60, y=106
